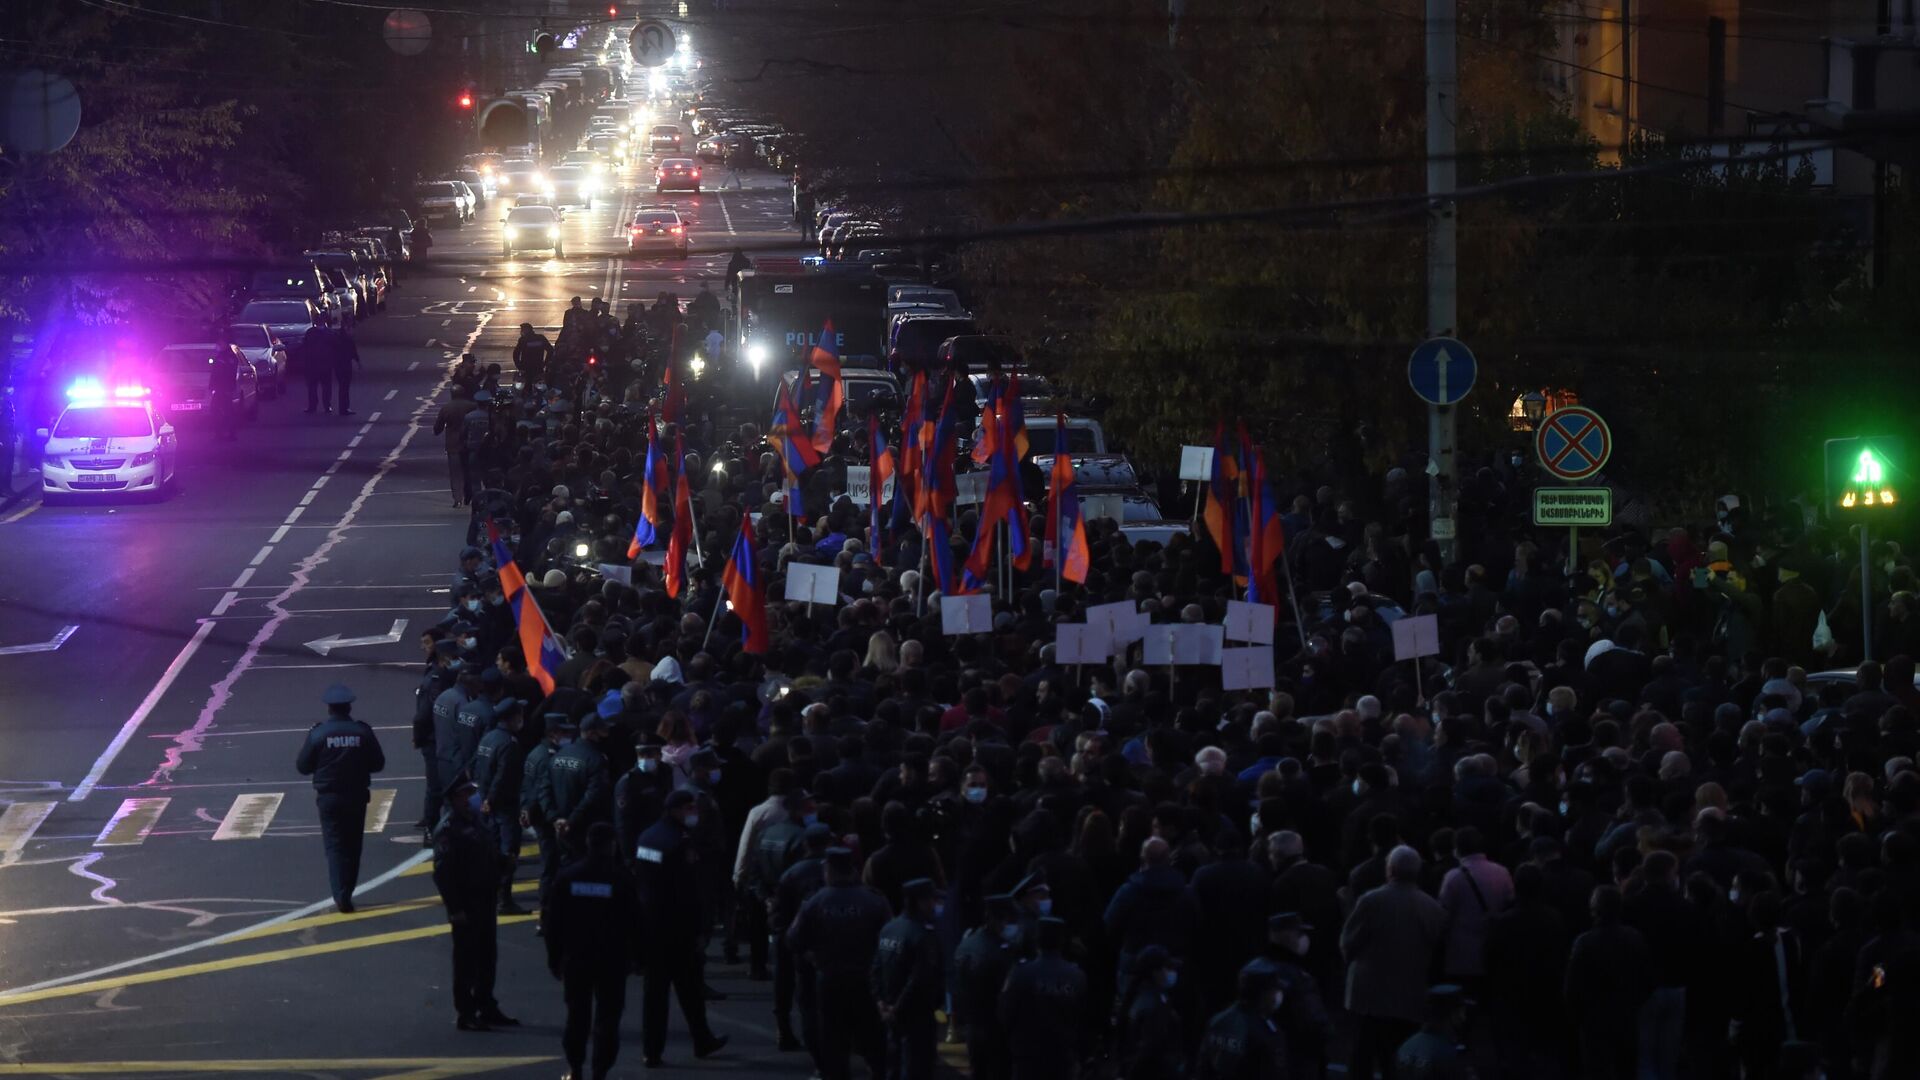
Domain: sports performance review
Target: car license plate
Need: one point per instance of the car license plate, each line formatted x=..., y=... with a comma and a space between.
x=188, y=406
x=96, y=478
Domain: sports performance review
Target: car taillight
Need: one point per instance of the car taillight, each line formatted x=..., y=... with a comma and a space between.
x=696, y=172
x=677, y=230
x=636, y=230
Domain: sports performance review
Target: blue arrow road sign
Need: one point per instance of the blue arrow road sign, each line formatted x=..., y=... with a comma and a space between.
x=1442, y=370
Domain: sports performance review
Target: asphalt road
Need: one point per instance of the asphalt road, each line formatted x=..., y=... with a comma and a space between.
x=163, y=902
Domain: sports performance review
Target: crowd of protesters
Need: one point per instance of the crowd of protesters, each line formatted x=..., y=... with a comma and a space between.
x=1620, y=825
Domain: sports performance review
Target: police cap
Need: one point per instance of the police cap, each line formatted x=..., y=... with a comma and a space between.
x=647, y=749
x=1285, y=921
x=447, y=647
x=678, y=798
x=560, y=721
x=1256, y=980
x=506, y=709
x=839, y=860
x=491, y=676
x=337, y=694
x=918, y=889
x=1152, y=958
x=817, y=836
x=471, y=552
x=593, y=723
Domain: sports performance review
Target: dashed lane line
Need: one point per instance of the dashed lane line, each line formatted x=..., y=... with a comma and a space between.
x=249, y=816
x=17, y=826
x=132, y=822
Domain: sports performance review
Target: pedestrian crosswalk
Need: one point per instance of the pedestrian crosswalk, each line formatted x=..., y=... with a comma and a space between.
x=250, y=816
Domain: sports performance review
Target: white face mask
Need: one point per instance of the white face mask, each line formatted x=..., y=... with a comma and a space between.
x=692, y=821
x=1359, y=788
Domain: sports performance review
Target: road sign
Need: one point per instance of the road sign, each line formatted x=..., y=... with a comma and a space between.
x=1573, y=506
x=651, y=43
x=1573, y=442
x=1442, y=370
x=1864, y=476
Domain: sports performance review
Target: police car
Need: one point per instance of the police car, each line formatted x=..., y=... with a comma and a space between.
x=107, y=441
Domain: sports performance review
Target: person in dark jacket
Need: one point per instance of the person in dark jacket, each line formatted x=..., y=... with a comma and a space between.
x=315, y=356
x=582, y=790
x=466, y=871
x=1434, y=1052
x=1044, y=1007
x=593, y=920
x=836, y=933
x=1303, y=1019
x=346, y=362
x=909, y=981
x=499, y=767
x=641, y=796
x=222, y=388
x=667, y=866
x=1154, y=907
x=791, y=978
x=341, y=754
x=1242, y=1041
x=443, y=668
x=1609, y=975
x=981, y=963
x=536, y=792
x=1232, y=898
x=1526, y=955
x=1151, y=1033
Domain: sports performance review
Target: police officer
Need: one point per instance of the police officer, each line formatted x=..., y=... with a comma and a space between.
x=592, y=917
x=640, y=797
x=1303, y=1018
x=346, y=361
x=536, y=795
x=1044, y=1008
x=1150, y=1028
x=981, y=963
x=443, y=669
x=1242, y=1040
x=466, y=870
x=909, y=980
x=1434, y=1052
x=530, y=355
x=837, y=932
x=499, y=766
x=582, y=790
x=222, y=385
x=472, y=721
x=808, y=875
x=451, y=756
x=316, y=363
x=667, y=865
x=1035, y=900
x=341, y=754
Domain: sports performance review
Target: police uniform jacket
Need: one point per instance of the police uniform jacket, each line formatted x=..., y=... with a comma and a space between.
x=466, y=862
x=838, y=929
x=1432, y=1055
x=536, y=784
x=1241, y=1045
x=801, y=880
x=980, y=967
x=1152, y=1045
x=433, y=682
x=590, y=917
x=1303, y=1014
x=341, y=754
x=666, y=864
x=582, y=793
x=446, y=717
x=775, y=849
x=1043, y=1009
x=638, y=801
x=498, y=769
x=471, y=722
x=908, y=966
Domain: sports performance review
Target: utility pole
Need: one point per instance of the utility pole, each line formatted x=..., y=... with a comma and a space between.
x=1443, y=113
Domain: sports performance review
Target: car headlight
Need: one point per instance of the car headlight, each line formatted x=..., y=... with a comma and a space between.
x=757, y=356
x=548, y=190
x=144, y=459
x=697, y=365
x=511, y=230
x=553, y=234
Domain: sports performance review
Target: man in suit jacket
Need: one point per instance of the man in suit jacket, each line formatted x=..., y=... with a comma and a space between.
x=1388, y=943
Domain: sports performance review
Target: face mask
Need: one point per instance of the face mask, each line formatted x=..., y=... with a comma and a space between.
x=1586, y=624
x=1733, y=895
x=1253, y=823
x=496, y=601
x=647, y=764
x=1278, y=998
x=1046, y=907
x=809, y=819
x=1359, y=788
x=454, y=664
x=1613, y=611
x=1168, y=978
x=939, y=910
x=692, y=821
x=473, y=605
x=713, y=776
x=1564, y=807
x=469, y=644
x=976, y=794
x=1010, y=932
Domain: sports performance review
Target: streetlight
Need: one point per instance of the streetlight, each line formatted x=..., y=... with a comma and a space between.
x=1533, y=405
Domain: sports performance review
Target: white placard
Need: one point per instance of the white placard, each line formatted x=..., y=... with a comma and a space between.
x=1080, y=643
x=1416, y=636
x=616, y=572
x=860, y=485
x=1129, y=627
x=812, y=584
x=1196, y=463
x=970, y=488
x=966, y=614
x=1250, y=622
x=1184, y=643
x=1107, y=614
x=1250, y=668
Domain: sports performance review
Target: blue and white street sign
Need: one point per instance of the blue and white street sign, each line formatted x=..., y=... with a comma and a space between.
x=1442, y=370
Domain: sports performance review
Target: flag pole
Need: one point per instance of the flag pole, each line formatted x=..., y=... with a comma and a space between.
x=1293, y=599
x=717, y=601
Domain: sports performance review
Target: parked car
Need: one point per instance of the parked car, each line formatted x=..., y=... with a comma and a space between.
x=180, y=379
x=289, y=319
x=267, y=354
x=442, y=200
x=299, y=280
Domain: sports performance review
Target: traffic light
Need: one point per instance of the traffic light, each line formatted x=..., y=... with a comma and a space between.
x=543, y=43
x=613, y=11
x=1865, y=476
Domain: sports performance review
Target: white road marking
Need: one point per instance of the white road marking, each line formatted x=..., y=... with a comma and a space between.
x=320, y=483
x=249, y=816
x=725, y=214
x=221, y=939
x=226, y=602
x=52, y=644
x=354, y=442
x=390, y=394
x=295, y=516
x=307, y=499
x=413, y=365
x=17, y=827
x=447, y=322
x=140, y=714
x=132, y=822
x=280, y=534
x=379, y=806
x=290, y=730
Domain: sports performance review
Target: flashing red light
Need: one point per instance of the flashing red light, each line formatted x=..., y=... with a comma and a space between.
x=466, y=100
x=592, y=360
x=613, y=11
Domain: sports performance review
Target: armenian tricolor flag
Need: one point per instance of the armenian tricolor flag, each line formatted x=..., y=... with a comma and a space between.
x=1066, y=526
x=543, y=648
x=682, y=535
x=746, y=592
